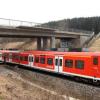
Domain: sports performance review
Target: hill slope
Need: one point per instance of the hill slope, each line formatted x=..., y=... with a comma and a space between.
x=82, y=23
x=95, y=46
x=22, y=43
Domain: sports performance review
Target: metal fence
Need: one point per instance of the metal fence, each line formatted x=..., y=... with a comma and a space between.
x=12, y=22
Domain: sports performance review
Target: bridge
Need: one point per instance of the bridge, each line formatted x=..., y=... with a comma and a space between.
x=41, y=33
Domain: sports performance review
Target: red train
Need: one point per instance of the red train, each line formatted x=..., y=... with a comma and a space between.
x=81, y=64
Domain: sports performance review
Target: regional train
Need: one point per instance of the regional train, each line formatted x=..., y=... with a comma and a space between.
x=77, y=64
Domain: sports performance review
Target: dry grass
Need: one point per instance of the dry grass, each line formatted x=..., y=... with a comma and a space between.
x=95, y=46
x=13, y=87
x=22, y=84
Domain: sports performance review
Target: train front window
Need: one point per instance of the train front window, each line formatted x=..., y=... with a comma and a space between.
x=79, y=64
x=95, y=61
x=69, y=63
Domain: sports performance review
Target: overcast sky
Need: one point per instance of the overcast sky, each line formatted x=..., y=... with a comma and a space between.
x=41, y=11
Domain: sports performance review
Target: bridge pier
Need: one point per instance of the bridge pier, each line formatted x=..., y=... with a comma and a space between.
x=45, y=43
x=42, y=43
x=52, y=42
x=39, y=43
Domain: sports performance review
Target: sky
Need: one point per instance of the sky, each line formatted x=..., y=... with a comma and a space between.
x=41, y=11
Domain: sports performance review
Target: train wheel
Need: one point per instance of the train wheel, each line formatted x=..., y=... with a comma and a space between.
x=78, y=79
x=96, y=82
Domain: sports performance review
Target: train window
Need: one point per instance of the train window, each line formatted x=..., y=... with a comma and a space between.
x=56, y=62
x=79, y=64
x=3, y=55
x=31, y=59
x=10, y=56
x=21, y=58
x=60, y=62
x=0, y=55
x=69, y=63
x=16, y=57
x=42, y=60
x=50, y=61
x=37, y=59
x=95, y=61
x=25, y=58
x=6, y=55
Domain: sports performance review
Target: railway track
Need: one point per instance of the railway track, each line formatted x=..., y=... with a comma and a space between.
x=62, y=85
x=61, y=76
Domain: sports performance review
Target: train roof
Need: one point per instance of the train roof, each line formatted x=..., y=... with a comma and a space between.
x=65, y=53
x=45, y=52
x=54, y=53
x=83, y=54
x=7, y=51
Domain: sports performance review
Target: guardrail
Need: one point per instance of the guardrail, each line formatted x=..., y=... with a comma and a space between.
x=12, y=22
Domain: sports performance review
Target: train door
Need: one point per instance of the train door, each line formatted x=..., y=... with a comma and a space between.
x=58, y=63
x=31, y=60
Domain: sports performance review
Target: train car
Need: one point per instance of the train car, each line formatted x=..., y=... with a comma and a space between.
x=15, y=57
x=6, y=55
x=35, y=59
x=45, y=60
x=81, y=64
x=26, y=59
x=1, y=55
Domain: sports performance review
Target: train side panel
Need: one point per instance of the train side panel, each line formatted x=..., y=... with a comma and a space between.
x=15, y=58
x=95, y=61
x=24, y=59
x=78, y=65
x=45, y=62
